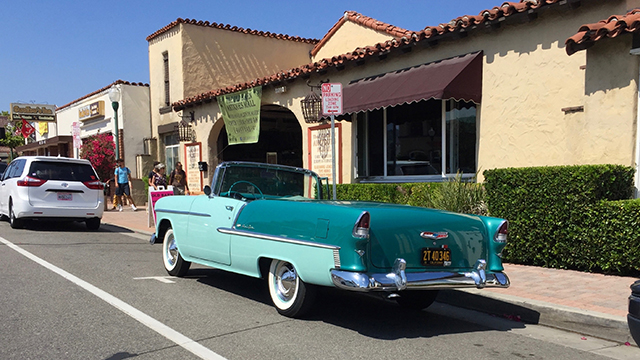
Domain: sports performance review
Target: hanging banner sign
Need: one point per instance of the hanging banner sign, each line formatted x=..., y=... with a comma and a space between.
x=241, y=115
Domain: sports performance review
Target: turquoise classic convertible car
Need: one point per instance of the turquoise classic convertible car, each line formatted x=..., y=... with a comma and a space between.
x=271, y=221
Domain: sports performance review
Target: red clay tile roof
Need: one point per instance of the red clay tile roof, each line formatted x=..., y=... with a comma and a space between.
x=362, y=20
x=409, y=38
x=615, y=25
x=117, y=82
x=230, y=28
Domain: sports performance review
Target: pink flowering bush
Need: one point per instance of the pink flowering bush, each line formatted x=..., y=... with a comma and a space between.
x=100, y=151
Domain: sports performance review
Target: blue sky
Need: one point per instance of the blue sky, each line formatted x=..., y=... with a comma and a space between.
x=53, y=52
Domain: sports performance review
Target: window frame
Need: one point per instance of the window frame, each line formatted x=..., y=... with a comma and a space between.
x=365, y=163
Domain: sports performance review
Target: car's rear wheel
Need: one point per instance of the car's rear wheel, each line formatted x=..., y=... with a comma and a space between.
x=290, y=295
x=417, y=299
x=13, y=220
x=93, y=224
x=173, y=261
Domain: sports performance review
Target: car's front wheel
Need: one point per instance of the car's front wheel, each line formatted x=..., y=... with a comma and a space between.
x=13, y=220
x=290, y=295
x=417, y=299
x=173, y=261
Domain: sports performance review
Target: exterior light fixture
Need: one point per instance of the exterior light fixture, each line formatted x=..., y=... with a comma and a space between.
x=184, y=127
x=312, y=105
x=114, y=96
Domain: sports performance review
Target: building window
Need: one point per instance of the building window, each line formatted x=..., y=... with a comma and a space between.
x=171, y=147
x=165, y=60
x=416, y=142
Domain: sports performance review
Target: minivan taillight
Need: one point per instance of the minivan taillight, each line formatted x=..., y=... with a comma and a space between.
x=94, y=185
x=501, y=234
x=361, y=229
x=29, y=181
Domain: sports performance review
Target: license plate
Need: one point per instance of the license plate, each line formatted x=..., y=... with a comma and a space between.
x=435, y=257
x=63, y=196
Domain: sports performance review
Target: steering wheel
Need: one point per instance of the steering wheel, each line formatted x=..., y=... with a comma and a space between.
x=245, y=182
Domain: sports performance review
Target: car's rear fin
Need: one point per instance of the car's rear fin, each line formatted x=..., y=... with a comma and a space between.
x=501, y=234
x=361, y=229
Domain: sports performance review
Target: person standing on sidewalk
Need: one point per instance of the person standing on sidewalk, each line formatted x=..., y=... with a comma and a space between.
x=123, y=184
x=158, y=178
x=153, y=170
x=178, y=180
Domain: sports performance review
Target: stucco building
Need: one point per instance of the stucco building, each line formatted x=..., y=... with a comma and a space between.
x=92, y=114
x=493, y=90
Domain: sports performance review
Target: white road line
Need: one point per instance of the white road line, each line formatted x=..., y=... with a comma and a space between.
x=153, y=324
x=162, y=279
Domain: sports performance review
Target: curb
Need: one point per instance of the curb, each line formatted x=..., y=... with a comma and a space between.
x=591, y=323
x=119, y=228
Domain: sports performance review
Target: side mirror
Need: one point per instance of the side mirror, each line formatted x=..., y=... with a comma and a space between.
x=207, y=190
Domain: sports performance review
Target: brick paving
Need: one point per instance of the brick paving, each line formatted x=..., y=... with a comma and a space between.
x=599, y=293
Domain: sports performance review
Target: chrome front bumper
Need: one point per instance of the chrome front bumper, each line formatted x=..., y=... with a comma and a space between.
x=398, y=279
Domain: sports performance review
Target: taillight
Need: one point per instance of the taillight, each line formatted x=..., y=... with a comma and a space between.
x=501, y=234
x=361, y=229
x=94, y=185
x=29, y=181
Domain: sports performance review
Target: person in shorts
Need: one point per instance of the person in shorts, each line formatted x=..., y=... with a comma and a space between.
x=123, y=184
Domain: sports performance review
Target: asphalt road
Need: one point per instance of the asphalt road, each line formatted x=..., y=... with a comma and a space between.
x=67, y=293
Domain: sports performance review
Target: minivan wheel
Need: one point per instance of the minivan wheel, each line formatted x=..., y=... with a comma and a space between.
x=15, y=222
x=93, y=223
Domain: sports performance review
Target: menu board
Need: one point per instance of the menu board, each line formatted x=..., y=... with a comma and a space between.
x=193, y=155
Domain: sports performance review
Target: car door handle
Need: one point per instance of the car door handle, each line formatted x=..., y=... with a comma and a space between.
x=230, y=208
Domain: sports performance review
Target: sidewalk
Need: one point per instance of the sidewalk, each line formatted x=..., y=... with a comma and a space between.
x=585, y=303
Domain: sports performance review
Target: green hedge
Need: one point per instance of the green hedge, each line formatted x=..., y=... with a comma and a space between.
x=568, y=216
x=413, y=194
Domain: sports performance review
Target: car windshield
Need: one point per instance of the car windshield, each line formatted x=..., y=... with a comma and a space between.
x=63, y=171
x=253, y=182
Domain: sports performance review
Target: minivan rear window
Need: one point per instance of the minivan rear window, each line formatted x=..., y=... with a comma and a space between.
x=63, y=171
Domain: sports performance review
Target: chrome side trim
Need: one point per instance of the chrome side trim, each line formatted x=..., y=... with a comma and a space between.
x=336, y=258
x=277, y=238
x=398, y=279
x=180, y=212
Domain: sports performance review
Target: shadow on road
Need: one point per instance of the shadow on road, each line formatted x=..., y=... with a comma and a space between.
x=368, y=314
x=72, y=226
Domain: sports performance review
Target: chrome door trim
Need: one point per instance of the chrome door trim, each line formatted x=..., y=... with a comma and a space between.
x=276, y=238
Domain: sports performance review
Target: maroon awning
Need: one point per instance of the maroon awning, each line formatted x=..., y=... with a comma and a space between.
x=457, y=78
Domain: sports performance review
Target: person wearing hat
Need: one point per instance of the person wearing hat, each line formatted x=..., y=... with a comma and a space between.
x=159, y=178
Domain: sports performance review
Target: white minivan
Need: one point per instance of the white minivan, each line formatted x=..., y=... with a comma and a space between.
x=53, y=188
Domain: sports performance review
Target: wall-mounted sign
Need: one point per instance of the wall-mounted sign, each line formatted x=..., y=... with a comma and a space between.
x=33, y=112
x=91, y=111
x=320, y=157
x=192, y=156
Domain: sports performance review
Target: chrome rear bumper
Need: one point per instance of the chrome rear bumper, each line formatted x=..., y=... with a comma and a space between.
x=398, y=279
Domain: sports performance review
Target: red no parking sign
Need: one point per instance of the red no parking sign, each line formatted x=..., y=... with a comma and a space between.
x=331, y=99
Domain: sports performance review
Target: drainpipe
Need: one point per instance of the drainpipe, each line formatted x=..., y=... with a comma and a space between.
x=636, y=51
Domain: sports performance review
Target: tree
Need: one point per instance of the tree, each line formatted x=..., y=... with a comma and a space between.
x=99, y=149
x=11, y=140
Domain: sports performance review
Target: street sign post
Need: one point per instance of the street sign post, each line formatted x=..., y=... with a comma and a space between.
x=332, y=106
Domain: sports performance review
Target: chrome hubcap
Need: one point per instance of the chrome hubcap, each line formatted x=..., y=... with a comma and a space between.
x=172, y=251
x=286, y=281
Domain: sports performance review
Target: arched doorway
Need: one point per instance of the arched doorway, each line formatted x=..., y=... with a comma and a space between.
x=280, y=140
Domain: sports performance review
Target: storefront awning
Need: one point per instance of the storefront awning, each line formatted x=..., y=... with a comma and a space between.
x=54, y=141
x=457, y=78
